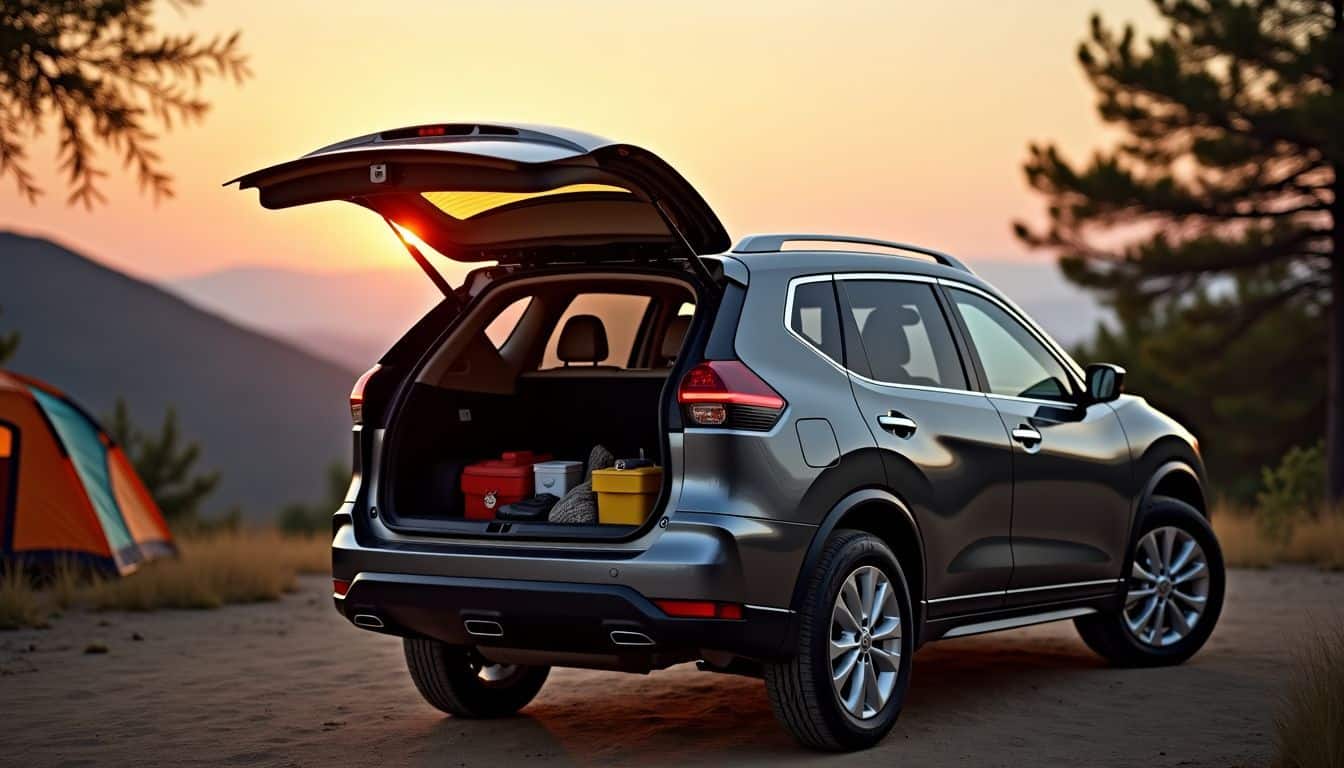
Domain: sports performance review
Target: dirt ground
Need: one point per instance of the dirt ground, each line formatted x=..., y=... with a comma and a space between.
x=291, y=684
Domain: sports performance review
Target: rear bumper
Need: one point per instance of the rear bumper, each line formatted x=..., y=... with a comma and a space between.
x=560, y=606
x=585, y=625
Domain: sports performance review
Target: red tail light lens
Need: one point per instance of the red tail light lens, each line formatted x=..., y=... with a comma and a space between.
x=699, y=609
x=357, y=394
x=340, y=586
x=728, y=393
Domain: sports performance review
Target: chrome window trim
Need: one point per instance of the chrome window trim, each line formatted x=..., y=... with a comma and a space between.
x=788, y=313
x=1039, y=400
x=1071, y=368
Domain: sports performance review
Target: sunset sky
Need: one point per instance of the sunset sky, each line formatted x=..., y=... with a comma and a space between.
x=907, y=120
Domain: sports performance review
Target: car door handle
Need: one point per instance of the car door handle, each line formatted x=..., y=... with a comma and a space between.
x=900, y=424
x=1027, y=435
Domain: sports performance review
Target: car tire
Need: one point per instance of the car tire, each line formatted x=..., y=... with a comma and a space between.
x=801, y=690
x=1158, y=640
x=457, y=682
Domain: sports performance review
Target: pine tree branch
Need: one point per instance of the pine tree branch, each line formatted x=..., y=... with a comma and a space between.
x=102, y=72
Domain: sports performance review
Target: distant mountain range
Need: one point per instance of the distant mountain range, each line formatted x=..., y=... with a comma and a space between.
x=268, y=415
x=353, y=317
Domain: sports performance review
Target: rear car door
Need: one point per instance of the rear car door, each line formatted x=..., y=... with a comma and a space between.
x=1071, y=464
x=943, y=446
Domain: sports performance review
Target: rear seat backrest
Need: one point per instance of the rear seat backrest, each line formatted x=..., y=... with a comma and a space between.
x=583, y=340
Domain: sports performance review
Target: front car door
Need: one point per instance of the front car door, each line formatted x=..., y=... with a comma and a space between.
x=944, y=448
x=1071, y=462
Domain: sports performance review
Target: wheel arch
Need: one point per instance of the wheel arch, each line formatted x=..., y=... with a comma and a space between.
x=884, y=515
x=1178, y=480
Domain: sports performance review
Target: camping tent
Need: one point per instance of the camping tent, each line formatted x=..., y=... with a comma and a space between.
x=66, y=489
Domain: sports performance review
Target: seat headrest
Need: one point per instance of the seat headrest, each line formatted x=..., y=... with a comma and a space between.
x=674, y=336
x=884, y=335
x=582, y=340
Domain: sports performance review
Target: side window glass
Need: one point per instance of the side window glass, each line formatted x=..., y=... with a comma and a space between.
x=814, y=318
x=902, y=332
x=1016, y=362
x=501, y=328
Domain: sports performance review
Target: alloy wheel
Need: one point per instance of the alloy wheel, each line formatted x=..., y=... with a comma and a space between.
x=865, y=643
x=1168, y=587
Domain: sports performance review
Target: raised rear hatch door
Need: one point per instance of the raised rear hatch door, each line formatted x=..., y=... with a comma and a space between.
x=478, y=192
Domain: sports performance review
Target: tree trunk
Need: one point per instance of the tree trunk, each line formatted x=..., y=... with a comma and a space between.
x=1334, y=431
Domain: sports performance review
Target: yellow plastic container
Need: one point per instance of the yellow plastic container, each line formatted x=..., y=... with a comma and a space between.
x=626, y=496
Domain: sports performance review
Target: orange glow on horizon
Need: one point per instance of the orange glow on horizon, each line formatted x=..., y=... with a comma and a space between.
x=907, y=121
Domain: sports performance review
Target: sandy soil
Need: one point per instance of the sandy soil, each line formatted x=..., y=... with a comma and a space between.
x=290, y=683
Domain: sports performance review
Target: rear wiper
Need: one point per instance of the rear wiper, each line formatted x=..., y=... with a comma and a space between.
x=434, y=276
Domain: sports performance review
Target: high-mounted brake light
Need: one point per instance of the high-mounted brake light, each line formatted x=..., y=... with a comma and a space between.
x=357, y=394
x=728, y=393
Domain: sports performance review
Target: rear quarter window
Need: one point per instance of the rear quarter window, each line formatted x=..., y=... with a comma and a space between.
x=815, y=319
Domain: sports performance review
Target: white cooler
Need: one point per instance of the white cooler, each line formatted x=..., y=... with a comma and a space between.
x=557, y=477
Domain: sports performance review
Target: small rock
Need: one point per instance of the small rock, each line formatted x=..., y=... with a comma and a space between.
x=136, y=636
x=104, y=623
x=95, y=648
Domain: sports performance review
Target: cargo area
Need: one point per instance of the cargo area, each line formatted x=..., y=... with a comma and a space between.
x=546, y=385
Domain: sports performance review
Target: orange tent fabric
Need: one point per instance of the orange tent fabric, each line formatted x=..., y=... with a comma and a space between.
x=66, y=489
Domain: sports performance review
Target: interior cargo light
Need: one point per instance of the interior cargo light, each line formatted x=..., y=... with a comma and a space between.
x=357, y=394
x=340, y=586
x=699, y=609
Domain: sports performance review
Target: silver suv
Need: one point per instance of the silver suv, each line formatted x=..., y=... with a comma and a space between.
x=862, y=449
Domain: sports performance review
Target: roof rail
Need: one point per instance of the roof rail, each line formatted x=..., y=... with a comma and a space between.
x=774, y=242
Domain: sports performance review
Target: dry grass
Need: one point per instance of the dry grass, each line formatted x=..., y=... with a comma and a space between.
x=1309, y=728
x=19, y=604
x=213, y=570
x=1315, y=540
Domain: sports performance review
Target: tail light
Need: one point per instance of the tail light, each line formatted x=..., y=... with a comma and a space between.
x=357, y=394
x=726, y=393
x=699, y=609
x=340, y=586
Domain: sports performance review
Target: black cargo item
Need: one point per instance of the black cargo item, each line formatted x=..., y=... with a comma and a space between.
x=535, y=508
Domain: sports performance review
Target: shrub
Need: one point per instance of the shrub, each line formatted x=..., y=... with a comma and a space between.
x=1292, y=490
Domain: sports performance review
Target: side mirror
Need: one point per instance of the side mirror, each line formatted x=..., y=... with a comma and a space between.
x=1105, y=382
